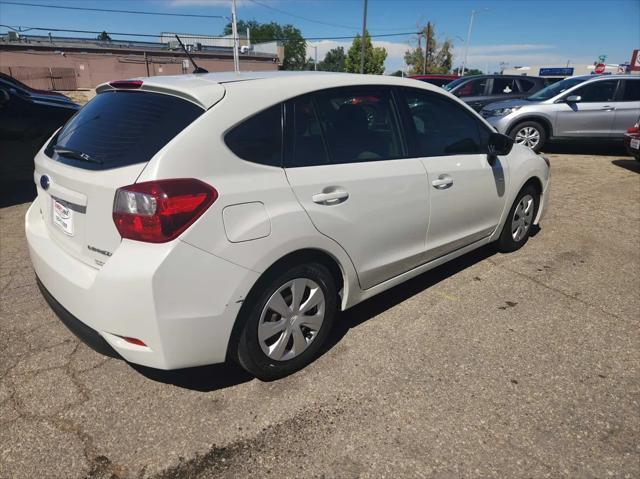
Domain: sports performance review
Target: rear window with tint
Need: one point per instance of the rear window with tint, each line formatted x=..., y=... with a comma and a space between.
x=120, y=128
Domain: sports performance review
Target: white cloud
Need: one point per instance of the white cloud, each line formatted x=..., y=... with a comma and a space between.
x=217, y=3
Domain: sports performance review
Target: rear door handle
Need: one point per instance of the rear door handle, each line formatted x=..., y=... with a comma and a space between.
x=608, y=108
x=443, y=182
x=330, y=198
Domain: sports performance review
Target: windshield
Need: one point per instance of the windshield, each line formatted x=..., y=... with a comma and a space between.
x=450, y=86
x=555, y=89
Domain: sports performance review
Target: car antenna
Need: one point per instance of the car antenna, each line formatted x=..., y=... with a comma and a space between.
x=197, y=69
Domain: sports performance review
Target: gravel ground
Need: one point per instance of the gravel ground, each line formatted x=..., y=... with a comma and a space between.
x=518, y=365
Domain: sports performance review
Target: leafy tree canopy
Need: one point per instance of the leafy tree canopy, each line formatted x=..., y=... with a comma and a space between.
x=334, y=61
x=374, y=57
x=295, y=47
x=439, y=55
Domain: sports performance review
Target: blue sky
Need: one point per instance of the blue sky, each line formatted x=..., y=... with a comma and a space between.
x=518, y=32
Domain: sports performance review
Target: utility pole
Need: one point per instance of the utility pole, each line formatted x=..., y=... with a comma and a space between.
x=426, y=47
x=234, y=32
x=466, y=47
x=364, y=29
x=315, y=58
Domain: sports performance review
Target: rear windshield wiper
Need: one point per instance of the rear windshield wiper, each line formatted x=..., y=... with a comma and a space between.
x=75, y=155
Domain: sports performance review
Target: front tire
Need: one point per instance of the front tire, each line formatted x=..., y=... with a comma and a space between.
x=517, y=227
x=287, y=322
x=530, y=134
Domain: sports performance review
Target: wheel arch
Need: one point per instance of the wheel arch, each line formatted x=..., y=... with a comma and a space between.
x=294, y=258
x=546, y=124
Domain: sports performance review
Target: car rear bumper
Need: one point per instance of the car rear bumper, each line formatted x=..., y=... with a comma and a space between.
x=179, y=300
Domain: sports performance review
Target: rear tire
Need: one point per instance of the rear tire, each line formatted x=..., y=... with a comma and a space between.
x=287, y=322
x=529, y=133
x=517, y=227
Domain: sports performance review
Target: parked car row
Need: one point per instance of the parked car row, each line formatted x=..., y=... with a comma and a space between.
x=533, y=112
x=27, y=118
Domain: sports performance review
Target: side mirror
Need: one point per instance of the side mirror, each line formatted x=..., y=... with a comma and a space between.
x=499, y=145
x=4, y=97
x=573, y=99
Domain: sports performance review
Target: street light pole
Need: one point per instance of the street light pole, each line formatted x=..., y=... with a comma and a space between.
x=466, y=47
x=364, y=29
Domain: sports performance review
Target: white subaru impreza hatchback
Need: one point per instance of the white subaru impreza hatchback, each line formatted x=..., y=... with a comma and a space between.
x=187, y=220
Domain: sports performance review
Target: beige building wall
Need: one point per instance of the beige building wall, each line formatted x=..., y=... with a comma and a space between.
x=91, y=69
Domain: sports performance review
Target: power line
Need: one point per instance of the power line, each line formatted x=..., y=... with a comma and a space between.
x=134, y=12
x=25, y=29
x=301, y=17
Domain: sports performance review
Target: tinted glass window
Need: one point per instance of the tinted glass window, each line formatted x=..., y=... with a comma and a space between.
x=259, y=138
x=599, y=91
x=526, y=85
x=436, y=81
x=631, y=90
x=555, y=89
x=307, y=147
x=122, y=128
x=472, y=88
x=358, y=124
x=504, y=86
x=443, y=127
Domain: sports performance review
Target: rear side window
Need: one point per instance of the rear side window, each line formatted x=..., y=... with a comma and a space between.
x=442, y=127
x=259, y=138
x=526, y=85
x=472, y=88
x=359, y=124
x=504, y=86
x=631, y=90
x=121, y=128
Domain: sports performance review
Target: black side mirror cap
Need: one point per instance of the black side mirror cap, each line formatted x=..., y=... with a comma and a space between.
x=499, y=144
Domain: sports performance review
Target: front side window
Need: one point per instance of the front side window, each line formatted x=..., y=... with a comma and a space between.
x=358, y=124
x=442, y=127
x=504, y=86
x=631, y=90
x=596, y=92
x=259, y=138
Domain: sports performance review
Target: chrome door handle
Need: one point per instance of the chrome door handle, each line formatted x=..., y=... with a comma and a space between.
x=330, y=198
x=608, y=108
x=443, y=182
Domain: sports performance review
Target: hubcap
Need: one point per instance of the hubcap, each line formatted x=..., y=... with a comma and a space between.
x=528, y=136
x=291, y=319
x=522, y=218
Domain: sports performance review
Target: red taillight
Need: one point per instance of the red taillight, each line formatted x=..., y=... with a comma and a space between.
x=159, y=211
x=634, y=129
x=136, y=341
x=126, y=84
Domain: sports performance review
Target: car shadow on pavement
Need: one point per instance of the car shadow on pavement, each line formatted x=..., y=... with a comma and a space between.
x=631, y=165
x=380, y=303
x=595, y=148
x=202, y=378
x=15, y=193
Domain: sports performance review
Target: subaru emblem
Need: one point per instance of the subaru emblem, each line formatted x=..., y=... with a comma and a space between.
x=45, y=182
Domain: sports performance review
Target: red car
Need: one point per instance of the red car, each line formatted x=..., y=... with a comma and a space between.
x=632, y=140
x=437, y=80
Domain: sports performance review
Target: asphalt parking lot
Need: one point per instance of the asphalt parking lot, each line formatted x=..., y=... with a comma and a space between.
x=518, y=365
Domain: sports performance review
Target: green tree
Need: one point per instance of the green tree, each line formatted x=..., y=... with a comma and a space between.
x=104, y=36
x=471, y=71
x=439, y=55
x=374, y=57
x=334, y=61
x=295, y=47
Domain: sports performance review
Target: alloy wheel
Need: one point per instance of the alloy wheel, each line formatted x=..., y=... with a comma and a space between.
x=528, y=136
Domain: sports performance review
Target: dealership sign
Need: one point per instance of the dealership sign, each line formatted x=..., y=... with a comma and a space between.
x=556, y=72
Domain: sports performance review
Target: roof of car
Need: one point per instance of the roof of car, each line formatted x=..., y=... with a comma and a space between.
x=208, y=88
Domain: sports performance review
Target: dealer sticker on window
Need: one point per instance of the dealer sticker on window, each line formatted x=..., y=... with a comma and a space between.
x=63, y=217
x=635, y=144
